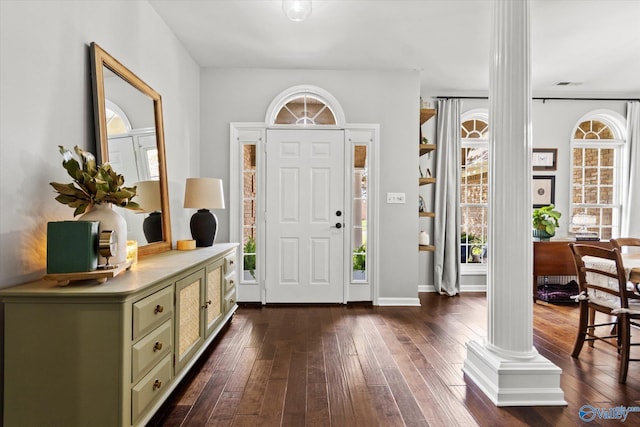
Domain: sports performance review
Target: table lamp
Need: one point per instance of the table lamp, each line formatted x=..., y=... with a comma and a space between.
x=204, y=194
x=148, y=197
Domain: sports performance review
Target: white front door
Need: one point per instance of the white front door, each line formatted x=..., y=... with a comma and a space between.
x=304, y=216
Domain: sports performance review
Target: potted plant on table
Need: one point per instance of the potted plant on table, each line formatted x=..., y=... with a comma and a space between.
x=545, y=222
x=92, y=184
x=95, y=188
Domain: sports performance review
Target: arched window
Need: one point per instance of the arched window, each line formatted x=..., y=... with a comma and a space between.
x=597, y=142
x=474, y=186
x=305, y=106
x=305, y=110
x=117, y=121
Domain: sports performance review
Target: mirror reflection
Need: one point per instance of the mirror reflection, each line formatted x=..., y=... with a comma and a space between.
x=130, y=137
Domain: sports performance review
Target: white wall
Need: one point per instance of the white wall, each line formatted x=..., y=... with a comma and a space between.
x=552, y=124
x=46, y=101
x=388, y=98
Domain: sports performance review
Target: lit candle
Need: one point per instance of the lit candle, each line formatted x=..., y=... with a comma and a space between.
x=132, y=251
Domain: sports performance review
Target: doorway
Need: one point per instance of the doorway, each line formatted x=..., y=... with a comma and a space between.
x=305, y=216
x=287, y=170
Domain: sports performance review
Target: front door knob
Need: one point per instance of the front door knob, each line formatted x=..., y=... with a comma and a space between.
x=338, y=225
x=338, y=213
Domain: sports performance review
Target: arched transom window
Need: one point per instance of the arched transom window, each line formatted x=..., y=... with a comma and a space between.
x=305, y=105
x=305, y=110
x=117, y=121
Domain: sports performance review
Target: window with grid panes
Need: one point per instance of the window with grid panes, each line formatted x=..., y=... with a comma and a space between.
x=249, y=201
x=474, y=187
x=595, y=182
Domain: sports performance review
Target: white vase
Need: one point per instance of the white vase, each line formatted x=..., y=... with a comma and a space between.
x=423, y=238
x=109, y=220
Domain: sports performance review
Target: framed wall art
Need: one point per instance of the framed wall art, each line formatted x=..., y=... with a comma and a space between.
x=544, y=159
x=543, y=190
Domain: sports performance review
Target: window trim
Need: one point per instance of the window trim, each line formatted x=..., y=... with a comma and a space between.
x=482, y=114
x=616, y=123
x=304, y=90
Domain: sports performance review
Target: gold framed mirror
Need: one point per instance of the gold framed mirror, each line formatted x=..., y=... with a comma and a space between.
x=130, y=135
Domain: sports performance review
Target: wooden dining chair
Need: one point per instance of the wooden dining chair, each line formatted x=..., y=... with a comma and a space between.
x=629, y=244
x=622, y=242
x=602, y=282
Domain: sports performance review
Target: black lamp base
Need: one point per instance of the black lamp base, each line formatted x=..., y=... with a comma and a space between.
x=152, y=227
x=204, y=226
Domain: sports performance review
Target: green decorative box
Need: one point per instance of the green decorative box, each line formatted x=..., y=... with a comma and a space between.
x=72, y=246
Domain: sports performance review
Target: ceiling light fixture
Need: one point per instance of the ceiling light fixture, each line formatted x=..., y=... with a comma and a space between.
x=296, y=10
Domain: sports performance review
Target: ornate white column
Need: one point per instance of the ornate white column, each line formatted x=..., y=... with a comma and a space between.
x=506, y=366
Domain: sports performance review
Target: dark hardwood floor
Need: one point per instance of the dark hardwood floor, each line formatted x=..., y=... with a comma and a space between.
x=359, y=365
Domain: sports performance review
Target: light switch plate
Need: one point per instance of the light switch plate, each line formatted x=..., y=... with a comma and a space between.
x=395, y=197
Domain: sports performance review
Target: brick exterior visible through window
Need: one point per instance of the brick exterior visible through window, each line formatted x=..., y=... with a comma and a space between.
x=593, y=178
x=474, y=187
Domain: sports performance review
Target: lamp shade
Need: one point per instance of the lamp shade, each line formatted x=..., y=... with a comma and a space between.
x=204, y=193
x=148, y=196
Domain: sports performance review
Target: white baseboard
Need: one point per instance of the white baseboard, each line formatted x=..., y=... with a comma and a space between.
x=463, y=288
x=399, y=302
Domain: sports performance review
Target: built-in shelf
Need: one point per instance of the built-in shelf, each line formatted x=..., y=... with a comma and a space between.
x=425, y=181
x=427, y=148
x=426, y=114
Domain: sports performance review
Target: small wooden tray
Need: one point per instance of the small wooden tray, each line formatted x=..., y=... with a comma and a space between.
x=100, y=276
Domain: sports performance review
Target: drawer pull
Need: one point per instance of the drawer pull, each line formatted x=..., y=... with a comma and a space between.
x=157, y=346
x=232, y=301
x=158, y=309
x=231, y=262
x=206, y=304
x=157, y=384
x=231, y=282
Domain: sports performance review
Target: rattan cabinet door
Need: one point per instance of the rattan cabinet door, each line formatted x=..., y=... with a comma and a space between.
x=189, y=311
x=213, y=296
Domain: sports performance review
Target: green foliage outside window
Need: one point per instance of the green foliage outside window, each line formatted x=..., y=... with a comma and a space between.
x=250, y=260
x=359, y=258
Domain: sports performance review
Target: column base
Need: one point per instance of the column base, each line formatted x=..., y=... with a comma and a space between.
x=531, y=382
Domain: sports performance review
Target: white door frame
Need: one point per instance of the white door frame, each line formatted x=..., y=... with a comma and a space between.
x=355, y=134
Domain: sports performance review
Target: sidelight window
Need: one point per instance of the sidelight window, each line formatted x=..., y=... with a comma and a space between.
x=359, y=212
x=249, y=212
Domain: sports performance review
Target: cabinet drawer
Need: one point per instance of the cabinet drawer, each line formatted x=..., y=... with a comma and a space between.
x=151, y=311
x=150, y=349
x=229, y=300
x=229, y=283
x=150, y=388
x=230, y=263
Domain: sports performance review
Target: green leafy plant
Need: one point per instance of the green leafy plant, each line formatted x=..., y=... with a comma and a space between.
x=250, y=260
x=546, y=218
x=92, y=184
x=359, y=258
